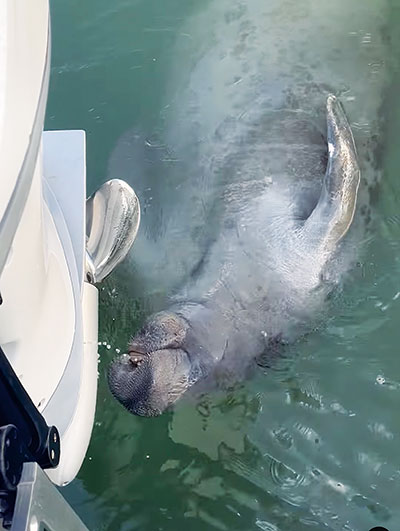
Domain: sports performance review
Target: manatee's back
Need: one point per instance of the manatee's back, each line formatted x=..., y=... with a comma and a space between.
x=246, y=101
x=238, y=63
x=253, y=111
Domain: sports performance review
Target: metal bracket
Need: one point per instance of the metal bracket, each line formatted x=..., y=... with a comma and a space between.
x=40, y=506
x=24, y=437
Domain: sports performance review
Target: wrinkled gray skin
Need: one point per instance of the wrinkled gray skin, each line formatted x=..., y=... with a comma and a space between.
x=279, y=153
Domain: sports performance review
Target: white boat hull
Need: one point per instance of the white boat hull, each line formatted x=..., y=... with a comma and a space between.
x=48, y=318
x=48, y=308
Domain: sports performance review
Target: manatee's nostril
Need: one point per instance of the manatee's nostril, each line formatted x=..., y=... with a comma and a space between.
x=136, y=362
x=136, y=359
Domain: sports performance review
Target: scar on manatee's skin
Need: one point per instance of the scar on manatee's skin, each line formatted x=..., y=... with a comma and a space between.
x=273, y=351
x=373, y=190
x=198, y=267
x=365, y=212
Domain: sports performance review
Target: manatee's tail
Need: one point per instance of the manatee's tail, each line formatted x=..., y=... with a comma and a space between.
x=334, y=212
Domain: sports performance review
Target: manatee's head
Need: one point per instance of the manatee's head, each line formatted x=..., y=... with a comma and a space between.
x=157, y=369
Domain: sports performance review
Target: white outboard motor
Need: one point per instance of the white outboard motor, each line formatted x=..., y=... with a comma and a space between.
x=53, y=245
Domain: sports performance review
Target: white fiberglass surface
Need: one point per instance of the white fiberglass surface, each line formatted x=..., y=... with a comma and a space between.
x=23, y=50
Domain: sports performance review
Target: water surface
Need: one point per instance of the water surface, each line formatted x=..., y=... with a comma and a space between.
x=312, y=444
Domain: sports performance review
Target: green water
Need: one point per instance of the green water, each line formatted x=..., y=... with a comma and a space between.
x=311, y=445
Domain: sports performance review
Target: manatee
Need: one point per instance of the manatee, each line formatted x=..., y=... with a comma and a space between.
x=259, y=120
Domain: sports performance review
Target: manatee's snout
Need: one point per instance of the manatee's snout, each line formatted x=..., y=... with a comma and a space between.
x=156, y=371
x=147, y=387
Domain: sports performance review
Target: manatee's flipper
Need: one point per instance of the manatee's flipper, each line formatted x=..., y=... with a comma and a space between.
x=333, y=214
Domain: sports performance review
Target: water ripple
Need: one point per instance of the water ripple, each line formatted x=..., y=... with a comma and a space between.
x=266, y=526
x=285, y=477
